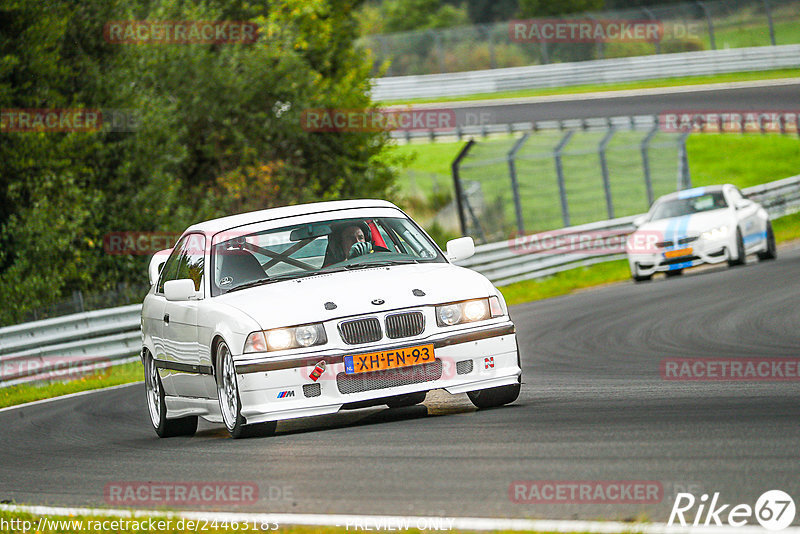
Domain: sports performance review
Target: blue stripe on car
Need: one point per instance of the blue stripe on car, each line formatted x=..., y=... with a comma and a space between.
x=691, y=193
x=757, y=236
x=676, y=266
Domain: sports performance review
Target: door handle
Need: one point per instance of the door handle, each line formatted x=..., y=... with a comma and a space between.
x=166, y=318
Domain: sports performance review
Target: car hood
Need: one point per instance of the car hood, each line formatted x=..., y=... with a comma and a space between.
x=687, y=225
x=299, y=301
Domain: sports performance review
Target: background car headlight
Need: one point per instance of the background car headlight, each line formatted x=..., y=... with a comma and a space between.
x=468, y=311
x=720, y=232
x=286, y=338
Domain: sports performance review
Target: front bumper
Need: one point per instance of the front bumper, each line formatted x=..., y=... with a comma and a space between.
x=466, y=360
x=702, y=252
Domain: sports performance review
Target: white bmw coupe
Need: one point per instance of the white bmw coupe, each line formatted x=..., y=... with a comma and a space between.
x=307, y=310
x=700, y=225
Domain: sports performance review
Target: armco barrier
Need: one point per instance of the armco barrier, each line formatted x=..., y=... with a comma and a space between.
x=587, y=72
x=38, y=350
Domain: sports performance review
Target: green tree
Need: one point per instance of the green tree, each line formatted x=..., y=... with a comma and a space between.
x=546, y=8
x=219, y=132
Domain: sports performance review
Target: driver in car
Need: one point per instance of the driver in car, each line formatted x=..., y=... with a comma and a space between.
x=350, y=241
x=353, y=242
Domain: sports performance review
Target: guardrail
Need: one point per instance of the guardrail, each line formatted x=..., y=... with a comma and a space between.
x=586, y=72
x=51, y=348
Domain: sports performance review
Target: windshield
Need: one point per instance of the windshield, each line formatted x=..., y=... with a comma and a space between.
x=686, y=206
x=260, y=257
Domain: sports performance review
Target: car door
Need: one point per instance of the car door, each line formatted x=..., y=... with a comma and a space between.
x=179, y=322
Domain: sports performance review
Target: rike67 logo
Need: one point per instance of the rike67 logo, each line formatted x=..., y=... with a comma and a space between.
x=774, y=510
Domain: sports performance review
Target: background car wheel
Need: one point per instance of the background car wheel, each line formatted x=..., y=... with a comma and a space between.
x=165, y=428
x=493, y=397
x=401, y=401
x=740, y=255
x=772, y=250
x=676, y=272
x=229, y=402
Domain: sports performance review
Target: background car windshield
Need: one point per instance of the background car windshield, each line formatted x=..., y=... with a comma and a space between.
x=686, y=206
x=311, y=248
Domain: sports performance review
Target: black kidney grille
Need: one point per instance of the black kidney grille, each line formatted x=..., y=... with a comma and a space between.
x=415, y=374
x=361, y=331
x=405, y=324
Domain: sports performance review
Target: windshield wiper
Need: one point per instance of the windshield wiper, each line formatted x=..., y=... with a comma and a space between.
x=253, y=283
x=383, y=263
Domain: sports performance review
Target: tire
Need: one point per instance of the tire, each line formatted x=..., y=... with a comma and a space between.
x=229, y=402
x=741, y=258
x=673, y=274
x=493, y=397
x=157, y=407
x=402, y=401
x=772, y=250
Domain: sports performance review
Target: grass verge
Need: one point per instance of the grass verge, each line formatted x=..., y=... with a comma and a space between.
x=114, y=376
x=592, y=88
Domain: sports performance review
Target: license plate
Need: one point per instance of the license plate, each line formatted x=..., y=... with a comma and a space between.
x=678, y=253
x=388, y=359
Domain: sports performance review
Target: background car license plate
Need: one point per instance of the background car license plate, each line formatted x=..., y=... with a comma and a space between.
x=678, y=253
x=388, y=359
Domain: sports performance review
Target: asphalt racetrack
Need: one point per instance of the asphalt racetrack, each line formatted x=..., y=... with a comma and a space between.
x=768, y=95
x=593, y=407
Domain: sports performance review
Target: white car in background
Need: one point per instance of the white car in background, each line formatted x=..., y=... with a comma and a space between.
x=306, y=310
x=701, y=225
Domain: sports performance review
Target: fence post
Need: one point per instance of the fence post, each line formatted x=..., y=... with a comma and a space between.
x=684, y=179
x=769, y=21
x=652, y=17
x=562, y=190
x=648, y=182
x=512, y=171
x=545, y=56
x=604, y=168
x=385, y=54
x=487, y=29
x=457, y=184
x=437, y=44
x=710, y=24
x=600, y=44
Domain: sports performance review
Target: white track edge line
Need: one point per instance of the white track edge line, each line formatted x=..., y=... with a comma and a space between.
x=358, y=522
x=68, y=396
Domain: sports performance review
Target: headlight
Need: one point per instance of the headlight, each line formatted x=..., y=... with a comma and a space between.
x=286, y=338
x=721, y=232
x=468, y=311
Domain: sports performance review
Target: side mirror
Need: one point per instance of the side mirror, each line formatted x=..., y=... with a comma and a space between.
x=638, y=221
x=460, y=249
x=179, y=289
x=156, y=264
x=743, y=203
